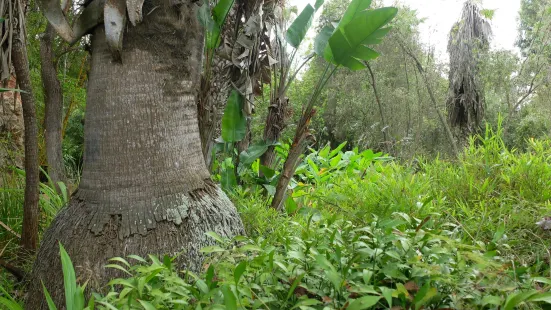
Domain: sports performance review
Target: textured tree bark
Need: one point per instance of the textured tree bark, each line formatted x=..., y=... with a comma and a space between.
x=302, y=137
x=275, y=123
x=29, y=234
x=145, y=188
x=54, y=108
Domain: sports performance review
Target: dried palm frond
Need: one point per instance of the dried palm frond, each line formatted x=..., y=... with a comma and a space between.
x=469, y=38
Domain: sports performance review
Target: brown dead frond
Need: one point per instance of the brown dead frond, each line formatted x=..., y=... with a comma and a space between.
x=468, y=40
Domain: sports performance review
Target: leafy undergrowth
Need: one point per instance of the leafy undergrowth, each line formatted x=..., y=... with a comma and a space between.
x=360, y=230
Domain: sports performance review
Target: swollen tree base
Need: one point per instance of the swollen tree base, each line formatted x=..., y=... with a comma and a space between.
x=208, y=209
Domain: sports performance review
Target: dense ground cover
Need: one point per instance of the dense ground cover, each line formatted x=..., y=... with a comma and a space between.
x=360, y=230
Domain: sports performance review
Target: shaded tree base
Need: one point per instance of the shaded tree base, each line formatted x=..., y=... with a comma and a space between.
x=210, y=210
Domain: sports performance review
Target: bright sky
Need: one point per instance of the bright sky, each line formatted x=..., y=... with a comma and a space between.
x=440, y=16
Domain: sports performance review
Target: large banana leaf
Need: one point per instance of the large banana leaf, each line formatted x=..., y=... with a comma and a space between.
x=296, y=33
x=352, y=11
x=221, y=10
x=322, y=39
x=348, y=43
x=214, y=21
x=234, y=123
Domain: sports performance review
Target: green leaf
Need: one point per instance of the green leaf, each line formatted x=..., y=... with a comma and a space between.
x=516, y=299
x=215, y=236
x=294, y=285
x=167, y=262
x=121, y=260
x=108, y=305
x=491, y=300
x=212, y=29
x=3, y=90
x=221, y=10
x=234, y=122
x=3, y=291
x=119, y=267
x=79, y=298
x=387, y=293
x=202, y=286
x=69, y=278
x=91, y=303
x=239, y=270
x=210, y=276
x=267, y=172
x=296, y=33
x=322, y=39
x=425, y=294
x=212, y=249
x=338, y=149
x=290, y=205
x=146, y=305
x=10, y=305
x=363, y=303
x=228, y=179
x=354, y=8
x=251, y=247
x=318, y=4
x=229, y=298
x=254, y=151
x=270, y=189
x=219, y=14
x=306, y=302
x=136, y=257
x=49, y=300
x=348, y=43
x=545, y=297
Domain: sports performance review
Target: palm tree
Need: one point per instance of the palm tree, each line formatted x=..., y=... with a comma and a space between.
x=145, y=188
x=469, y=38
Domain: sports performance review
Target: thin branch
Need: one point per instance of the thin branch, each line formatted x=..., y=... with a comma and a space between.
x=296, y=72
x=18, y=273
x=380, y=105
x=432, y=97
x=10, y=230
x=531, y=90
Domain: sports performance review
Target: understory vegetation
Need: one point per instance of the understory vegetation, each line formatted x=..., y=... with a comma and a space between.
x=360, y=230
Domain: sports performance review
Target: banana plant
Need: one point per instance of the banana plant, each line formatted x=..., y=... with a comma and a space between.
x=348, y=45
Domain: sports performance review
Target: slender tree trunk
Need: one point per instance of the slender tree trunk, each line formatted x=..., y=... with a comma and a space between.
x=302, y=137
x=329, y=117
x=423, y=74
x=54, y=108
x=380, y=105
x=29, y=234
x=145, y=188
x=441, y=116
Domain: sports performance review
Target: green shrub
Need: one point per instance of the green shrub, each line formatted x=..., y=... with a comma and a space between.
x=331, y=264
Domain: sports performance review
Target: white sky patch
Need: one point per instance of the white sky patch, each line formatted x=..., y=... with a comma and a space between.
x=440, y=15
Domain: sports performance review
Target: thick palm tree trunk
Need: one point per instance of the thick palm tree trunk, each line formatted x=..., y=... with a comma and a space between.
x=145, y=188
x=54, y=107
